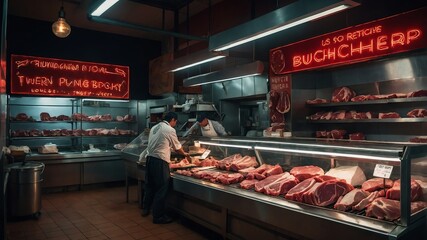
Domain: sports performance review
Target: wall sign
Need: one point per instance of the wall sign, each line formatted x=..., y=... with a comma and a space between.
x=399, y=33
x=58, y=77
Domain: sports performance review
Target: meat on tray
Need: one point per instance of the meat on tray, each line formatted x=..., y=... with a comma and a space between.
x=419, y=93
x=368, y=200
x=229, y=178
x=374, y=184
x=248, y=183
x=236, y=162
x=264, y=171
x=388, y=115
x=342, y=94
x=389, y=209
x=417, y=113
x=276, y=184
x=350, y=199
x=394, y=192
x=317, y=101
x=304, y=172
x=327, y=192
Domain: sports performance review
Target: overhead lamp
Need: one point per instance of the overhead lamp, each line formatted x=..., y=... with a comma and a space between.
x=60, y=27
x=104, y=6
x=241, y=71
x=195, y=59
x=289, y=16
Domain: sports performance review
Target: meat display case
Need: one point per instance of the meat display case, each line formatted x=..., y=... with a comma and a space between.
x=88, y=135
x=237, y=213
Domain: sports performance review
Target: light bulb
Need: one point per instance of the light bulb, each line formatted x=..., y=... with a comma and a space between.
x=61, y=28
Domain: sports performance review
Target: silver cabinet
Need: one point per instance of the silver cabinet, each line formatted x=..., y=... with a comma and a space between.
x=236, y=209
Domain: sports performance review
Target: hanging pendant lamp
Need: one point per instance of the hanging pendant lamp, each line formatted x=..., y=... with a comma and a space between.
x=61, y=28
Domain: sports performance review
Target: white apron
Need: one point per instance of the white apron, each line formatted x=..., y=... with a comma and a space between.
x=208, y=130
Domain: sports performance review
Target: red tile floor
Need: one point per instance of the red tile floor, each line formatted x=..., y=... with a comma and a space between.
x=100, y=213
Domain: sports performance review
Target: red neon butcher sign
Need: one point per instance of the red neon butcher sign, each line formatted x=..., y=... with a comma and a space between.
x=58, y=77
x=383, y=37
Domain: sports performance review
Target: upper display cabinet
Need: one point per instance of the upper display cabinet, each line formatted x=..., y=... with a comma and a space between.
x=71, y=125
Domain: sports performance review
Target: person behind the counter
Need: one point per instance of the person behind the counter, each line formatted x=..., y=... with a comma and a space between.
x=161, y=139
x=210, y=128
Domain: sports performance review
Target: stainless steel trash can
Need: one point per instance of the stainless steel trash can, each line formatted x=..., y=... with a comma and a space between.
x=23, y=189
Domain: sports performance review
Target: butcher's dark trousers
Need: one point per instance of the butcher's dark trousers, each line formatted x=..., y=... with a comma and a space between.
x=157, y=178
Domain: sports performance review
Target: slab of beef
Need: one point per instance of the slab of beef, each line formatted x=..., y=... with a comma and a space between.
x=342, y=94
x=417, y=113
x=304, y=172
x=363, y=115
x=326, y=116
x=274, y=170
x=21, y=117
x=374, y=184
x=388, y=115
x=284, y=103
x=338, y=115
x=185, y=172
x=394, y=192
x=63, y=118
x=361, y=98
x=326, y=193
x=353, y=175
x=317, y=101
x=273, y=99
x=368, y=200
x=245, y=171
x=389, y=209
x=79, y=117
x=276, y=184
x=420, y=139
x=44, y=116
x=257, y=173
x=281, y=185
x=349, y=200
x=35, y=133
x=356, y=136
x=297, y=193
x=322, y=134
x=229, y=178
x=227, y=161
x=419, y=93
x=244, y=162
x=316, y=116
x=106, y=117
x=248, y=184
x=338, y=133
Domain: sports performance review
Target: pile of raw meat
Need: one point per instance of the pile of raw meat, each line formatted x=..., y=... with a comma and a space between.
x=344, y=188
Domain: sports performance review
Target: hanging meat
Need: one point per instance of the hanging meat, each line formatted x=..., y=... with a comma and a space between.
x=343, y=94
x=284, y=103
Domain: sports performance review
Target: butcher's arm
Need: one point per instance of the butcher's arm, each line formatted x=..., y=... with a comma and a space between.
x=219, y=129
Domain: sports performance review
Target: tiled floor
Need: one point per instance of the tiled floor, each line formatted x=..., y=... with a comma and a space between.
x=98, y=214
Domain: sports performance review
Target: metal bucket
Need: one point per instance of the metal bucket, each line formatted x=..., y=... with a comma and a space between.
x=23, y=189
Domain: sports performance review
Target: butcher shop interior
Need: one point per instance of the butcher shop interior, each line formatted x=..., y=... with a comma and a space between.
x=316, y=118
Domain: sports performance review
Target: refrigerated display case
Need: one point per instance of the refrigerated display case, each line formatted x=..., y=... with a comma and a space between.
x=237, y=213
x=79, y=140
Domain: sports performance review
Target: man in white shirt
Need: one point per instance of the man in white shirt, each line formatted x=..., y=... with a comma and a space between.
x=161, y=140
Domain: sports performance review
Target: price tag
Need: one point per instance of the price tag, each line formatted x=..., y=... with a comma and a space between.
x=205, y=154
x=383, y=171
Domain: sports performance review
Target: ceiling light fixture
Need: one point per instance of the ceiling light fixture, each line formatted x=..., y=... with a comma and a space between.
x=60, y=27
x=103, y=7
x=241, y=71
x=195, y=59
x=289, y=16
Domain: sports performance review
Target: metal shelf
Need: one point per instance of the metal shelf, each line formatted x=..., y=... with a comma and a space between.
x=371, y=102
x=388, y=120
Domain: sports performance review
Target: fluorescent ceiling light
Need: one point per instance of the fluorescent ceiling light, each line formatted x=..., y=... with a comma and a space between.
x=289, y=16
x=241, y=71
x=195, y=59
x=103, y=7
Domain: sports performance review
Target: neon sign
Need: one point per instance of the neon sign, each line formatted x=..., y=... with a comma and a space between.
x=58, y=77
x=399, y=33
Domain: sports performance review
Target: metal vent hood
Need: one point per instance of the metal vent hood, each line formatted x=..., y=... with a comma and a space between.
x=240, y=71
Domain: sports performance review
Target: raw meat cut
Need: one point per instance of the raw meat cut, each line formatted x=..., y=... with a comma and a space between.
x=229, y=178
x=349, y=200
x=63, y=118
x=389, y=209
x=419, y=93
x=248, y=184
x=353, y=175
x=326, y=116
x=366, y=201
x=327, y=192
x=388, y=115
x=322, y=134
x=21, y=117
x=394, y=192
x=244, y=162
x=296, y=193
x=342, y=94
x=338, y=115
x=374, y=184
x=417, y=113
x=317, y=101
x=361, y=98
x=420, y=139
x=316, y=116
x=338, y=133
x=304, y=172
x=284, y=103
x=356, y=136
x=276, y=184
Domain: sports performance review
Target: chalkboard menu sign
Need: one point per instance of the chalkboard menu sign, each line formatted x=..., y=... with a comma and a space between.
x=57, y=77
